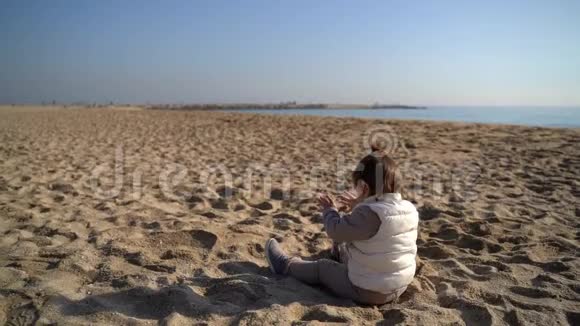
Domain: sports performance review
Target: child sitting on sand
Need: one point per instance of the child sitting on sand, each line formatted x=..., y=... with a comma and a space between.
x=376, y=242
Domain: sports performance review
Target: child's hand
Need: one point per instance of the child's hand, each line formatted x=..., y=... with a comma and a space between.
x=348, y=200
x=326, y=201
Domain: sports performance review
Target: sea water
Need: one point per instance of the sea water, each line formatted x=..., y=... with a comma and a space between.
x=562, y=117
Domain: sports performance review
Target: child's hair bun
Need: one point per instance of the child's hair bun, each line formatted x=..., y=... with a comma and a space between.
x=377, y=147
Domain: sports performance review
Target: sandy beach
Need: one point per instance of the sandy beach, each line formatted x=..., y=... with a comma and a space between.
x=146, y=217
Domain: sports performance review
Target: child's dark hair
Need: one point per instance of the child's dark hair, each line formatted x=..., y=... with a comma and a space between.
x=379, y=172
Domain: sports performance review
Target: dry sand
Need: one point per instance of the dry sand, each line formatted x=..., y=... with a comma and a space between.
x=498, y=239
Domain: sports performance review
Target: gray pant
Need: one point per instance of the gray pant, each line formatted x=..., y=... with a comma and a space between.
x=334, y=276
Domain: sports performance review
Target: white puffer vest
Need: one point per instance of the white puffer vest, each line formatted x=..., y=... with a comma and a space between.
x=386, y=262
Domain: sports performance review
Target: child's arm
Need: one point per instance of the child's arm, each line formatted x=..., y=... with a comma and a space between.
x=362, y=224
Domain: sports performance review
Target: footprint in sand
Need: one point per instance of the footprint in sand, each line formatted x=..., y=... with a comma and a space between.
x=446, y=232
x=434, y=252
x=220, y=204
x=237, y=292
x=534, y=293
x=324, y=314
x=429, y=212
x=265, y=206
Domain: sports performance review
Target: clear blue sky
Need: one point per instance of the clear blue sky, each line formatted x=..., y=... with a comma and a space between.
x=414, y=52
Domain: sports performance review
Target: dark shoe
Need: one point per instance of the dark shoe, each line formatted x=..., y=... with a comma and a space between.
x=277, y=258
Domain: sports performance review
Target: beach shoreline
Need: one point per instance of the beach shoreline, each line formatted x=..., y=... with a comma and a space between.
x=283, y=106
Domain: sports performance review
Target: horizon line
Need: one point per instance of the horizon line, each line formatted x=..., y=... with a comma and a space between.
x=343, y=104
